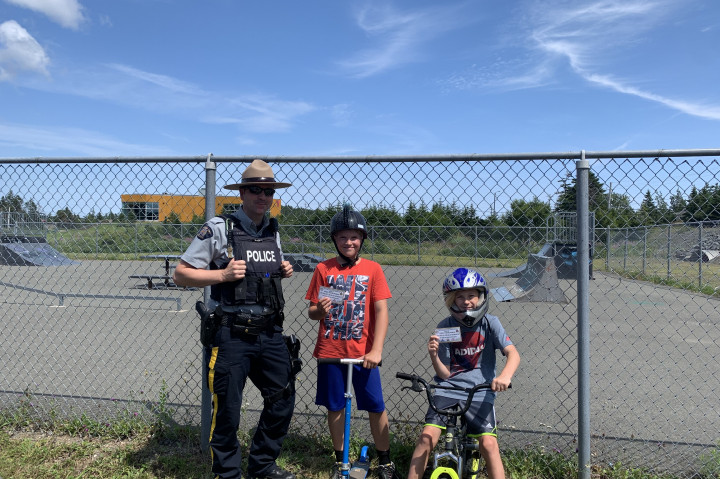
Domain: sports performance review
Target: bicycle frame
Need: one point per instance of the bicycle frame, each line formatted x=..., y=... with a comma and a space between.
x=456, y=444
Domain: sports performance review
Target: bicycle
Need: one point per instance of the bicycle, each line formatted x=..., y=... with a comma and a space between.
x=459, y=450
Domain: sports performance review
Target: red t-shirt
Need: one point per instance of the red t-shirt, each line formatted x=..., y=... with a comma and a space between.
x=349, y=328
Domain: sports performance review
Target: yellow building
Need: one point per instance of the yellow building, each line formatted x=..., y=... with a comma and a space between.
x=159, y=207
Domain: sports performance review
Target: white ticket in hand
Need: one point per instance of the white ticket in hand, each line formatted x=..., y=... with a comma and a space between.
x=336, y=295
x=449, y=335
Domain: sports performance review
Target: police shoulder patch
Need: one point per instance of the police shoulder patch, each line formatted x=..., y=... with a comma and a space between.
x=205, y=233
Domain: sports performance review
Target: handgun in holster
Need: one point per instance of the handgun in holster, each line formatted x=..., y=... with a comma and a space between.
x=209, y=324
x=293, y=345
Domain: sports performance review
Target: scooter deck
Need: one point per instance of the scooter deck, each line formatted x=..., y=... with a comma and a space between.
x=359, y=468
x=359, y=471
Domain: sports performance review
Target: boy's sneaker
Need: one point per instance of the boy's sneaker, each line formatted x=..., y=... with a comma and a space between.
x=387, y=471
x=337, y=471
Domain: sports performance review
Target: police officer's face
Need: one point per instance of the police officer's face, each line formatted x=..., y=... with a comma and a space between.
x=255, y=205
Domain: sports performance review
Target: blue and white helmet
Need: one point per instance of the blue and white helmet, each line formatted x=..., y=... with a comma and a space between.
x=462, y=279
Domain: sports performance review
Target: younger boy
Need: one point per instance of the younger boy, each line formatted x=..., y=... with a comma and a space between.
x=354, y=327
x=464, y=364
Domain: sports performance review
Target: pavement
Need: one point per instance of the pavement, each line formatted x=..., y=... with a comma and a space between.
x=653, y=356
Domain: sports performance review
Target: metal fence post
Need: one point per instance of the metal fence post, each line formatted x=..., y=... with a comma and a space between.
x=700, y=255
x=419, y=242
x=583, y=313
x=644, y=255
x=205, y=416
x=625, y=249
x=669, y=258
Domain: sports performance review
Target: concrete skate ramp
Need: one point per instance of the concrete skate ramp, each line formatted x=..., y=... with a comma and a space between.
x=303, y=262
x=538, y=283
x=30, y=251
x=546, y=250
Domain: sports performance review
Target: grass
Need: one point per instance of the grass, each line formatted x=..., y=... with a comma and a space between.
x=131, y=447
x=46, y=455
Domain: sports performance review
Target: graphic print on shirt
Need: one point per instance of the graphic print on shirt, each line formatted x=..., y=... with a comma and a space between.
x=465, y=355
x=346, y=320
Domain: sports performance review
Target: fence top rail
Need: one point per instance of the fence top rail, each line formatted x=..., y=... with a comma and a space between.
x=568, y=155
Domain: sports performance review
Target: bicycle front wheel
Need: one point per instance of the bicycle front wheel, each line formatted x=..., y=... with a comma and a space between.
x=444, y=473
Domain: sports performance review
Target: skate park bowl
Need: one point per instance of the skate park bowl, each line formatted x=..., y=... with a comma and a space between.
x=30, y=251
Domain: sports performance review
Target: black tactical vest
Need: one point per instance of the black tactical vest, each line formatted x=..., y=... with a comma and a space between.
x=261, y=284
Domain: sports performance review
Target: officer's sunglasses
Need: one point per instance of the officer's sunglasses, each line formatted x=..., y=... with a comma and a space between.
x=256, y=190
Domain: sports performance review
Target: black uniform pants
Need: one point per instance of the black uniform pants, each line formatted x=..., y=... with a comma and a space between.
x=266, y=361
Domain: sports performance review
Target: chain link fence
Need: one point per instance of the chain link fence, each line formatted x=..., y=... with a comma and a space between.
x=94, y=328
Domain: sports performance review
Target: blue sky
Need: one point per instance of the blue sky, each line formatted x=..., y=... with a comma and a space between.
x=331, y=77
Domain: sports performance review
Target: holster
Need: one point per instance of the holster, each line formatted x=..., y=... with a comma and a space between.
x=293, y=345
x=209, y=324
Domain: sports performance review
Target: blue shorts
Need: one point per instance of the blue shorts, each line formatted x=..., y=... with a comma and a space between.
x=480, y=417
x=331, y=385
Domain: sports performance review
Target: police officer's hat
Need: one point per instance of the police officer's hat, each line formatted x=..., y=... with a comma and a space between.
x=258, y=173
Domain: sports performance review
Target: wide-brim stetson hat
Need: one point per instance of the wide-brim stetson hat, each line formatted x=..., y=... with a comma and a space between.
x=258, y=173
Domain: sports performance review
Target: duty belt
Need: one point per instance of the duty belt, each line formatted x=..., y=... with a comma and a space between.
x=247, y=324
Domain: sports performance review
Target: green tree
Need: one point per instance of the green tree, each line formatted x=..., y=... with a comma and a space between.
x=649, y=213
x=665, y=214
x=66, y=216
x=567, y=199
x=703, y=204
x=677, y=205
x=11, y=203
x=417, y=215
x=527, y=213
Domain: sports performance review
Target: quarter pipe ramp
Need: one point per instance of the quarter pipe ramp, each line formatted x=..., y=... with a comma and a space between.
x=30, y=251
x=538, y=282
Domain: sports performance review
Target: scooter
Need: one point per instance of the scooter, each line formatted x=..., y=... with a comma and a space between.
x=358, y=469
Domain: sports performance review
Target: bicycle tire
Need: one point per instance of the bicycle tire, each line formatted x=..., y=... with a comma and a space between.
x=444, y=473
x=472, y=466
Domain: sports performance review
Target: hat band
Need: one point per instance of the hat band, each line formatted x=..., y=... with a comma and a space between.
x=259, y=179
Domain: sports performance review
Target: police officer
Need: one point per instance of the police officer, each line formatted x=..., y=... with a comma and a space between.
x=246, y=265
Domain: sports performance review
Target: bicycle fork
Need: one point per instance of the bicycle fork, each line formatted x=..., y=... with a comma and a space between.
x=460, y=455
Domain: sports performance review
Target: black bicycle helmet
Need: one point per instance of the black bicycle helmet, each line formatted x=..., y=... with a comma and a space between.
x=347, y=219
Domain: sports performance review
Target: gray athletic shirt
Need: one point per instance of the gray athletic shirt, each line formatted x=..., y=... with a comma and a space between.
x=472, y=360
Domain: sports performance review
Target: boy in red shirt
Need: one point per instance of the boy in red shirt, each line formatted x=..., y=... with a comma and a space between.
x=352, y=328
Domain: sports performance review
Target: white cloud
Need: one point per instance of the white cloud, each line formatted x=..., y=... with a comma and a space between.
x=711, y=112
x=398, y=36
x=505, y=75
x=19, y=52
x=585, y=34
x=68, y=13
x=342, y=114
x=71, y=142
x=163, y=81
x=258, y=113
x=266, y=114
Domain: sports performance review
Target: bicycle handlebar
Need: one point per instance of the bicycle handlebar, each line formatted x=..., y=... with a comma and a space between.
x=342, y=361
x=420, y=385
